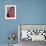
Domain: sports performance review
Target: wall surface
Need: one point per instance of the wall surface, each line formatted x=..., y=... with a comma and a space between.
x=27, y=12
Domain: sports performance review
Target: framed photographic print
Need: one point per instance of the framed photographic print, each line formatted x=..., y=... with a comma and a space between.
x=10, y=11
x=33, y=32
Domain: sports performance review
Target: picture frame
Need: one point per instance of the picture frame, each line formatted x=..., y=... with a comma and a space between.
x=10, y=11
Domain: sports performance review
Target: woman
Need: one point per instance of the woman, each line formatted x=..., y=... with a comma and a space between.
x=11, y=12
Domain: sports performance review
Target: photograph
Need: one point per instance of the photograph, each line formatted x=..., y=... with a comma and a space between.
x=30, y=33
x=10, y=11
